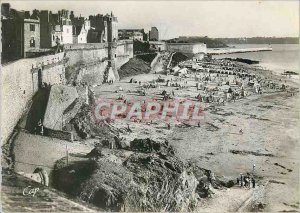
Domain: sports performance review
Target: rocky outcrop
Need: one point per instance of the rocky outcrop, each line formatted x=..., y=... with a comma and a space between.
x=127, y=180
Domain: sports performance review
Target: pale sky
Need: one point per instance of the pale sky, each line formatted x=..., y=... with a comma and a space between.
x=191, y=18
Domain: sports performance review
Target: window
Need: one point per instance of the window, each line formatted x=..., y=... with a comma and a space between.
x=53, y=37
x=32, y=27
x=67, y=30
x=32, y=42
x=61, y=38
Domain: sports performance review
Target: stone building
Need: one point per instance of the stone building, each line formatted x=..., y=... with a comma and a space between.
x=81, y=26
x=153, y=34
x=98, y=32
x=114, y=26
x=31, y=36
x=66, y=27
x=20, y=33
x=55, y=28
x=98, y=29
x=194, y=50
x=132, y=34
x=80, y=34
x=47, y=22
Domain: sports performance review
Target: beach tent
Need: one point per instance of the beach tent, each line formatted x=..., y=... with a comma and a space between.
x=199, y=85
x=182, y=71
x=175, y=69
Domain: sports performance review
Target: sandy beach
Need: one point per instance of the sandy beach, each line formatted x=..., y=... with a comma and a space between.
x=270, y=141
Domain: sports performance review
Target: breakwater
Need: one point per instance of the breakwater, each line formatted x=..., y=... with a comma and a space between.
x=214, y=51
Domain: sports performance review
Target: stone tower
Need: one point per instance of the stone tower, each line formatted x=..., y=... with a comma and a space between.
x=112, y=37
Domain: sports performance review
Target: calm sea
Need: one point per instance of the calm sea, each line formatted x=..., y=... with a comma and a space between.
x=284, y=57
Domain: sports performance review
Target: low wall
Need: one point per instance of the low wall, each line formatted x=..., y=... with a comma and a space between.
x=155, y=60
x=19, y=82
x=170, y=60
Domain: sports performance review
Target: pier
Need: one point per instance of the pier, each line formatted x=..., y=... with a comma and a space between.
x=214, y=51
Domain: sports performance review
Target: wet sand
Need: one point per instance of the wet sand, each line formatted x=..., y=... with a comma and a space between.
x=270, y=140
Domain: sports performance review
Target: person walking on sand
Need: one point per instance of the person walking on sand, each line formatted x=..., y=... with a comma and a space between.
x=253, y=182
x=246, y=182
x=241, y=132
x=242, y=178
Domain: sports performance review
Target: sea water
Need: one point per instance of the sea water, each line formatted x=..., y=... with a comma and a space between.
x=283, y=57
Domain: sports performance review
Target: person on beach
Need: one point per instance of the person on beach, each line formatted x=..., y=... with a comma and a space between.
x=242, y=178
x=253, y=182
x=128, y=128
x=246, y=181
x=169, y=126
x=41, y=127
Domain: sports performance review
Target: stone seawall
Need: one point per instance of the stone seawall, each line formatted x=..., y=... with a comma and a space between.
x=92, y=60
x=85, y=53
x=19, y=82
x=21, y=79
